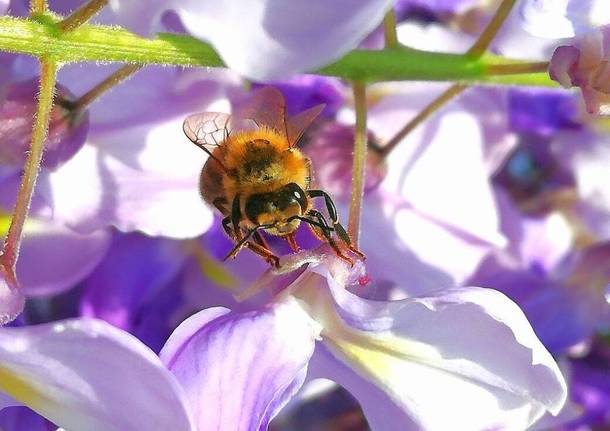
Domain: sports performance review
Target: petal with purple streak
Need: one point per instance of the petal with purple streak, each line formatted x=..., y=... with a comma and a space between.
x=240, y=369
x=85, y=374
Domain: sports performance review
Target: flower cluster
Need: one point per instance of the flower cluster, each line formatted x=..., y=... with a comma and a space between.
x=483, y=213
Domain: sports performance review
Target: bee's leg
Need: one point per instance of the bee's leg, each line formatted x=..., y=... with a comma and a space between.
x=326, y=234
x=292, y=242
x=258, y=246
x=236, y=217
x=332, y=212
x=221, y=205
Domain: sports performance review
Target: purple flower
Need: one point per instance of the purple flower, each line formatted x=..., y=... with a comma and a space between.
x=270, y=39
x=584, y=63
x=236, y=370
x=67, y=129
x=42, y=270
x=391, y=350
x=85, y=374
x=562, y=18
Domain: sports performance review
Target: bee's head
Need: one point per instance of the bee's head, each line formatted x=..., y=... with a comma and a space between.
x=277, y=207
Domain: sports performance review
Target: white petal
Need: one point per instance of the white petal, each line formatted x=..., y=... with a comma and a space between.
x=87, y=375
x=271, y=39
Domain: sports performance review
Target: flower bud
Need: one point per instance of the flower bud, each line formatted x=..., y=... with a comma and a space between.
x=585, y=64
x=67, y=128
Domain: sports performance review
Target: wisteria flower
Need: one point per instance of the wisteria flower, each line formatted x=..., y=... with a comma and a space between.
x=467, y=352
x=269, y=39
x=563, y=18
x=584, y=64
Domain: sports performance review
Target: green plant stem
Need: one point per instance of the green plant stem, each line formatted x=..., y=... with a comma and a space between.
x=389, y=29
x=82, y=15
x=480, y=46
x=114, y=79
x=12, y=242
x=448, y=95
x=359, y=162
x=42, y=38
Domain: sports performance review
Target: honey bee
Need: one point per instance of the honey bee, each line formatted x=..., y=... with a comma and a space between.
x=257, y=178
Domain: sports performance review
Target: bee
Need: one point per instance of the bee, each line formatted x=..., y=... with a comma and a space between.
x=257, y=178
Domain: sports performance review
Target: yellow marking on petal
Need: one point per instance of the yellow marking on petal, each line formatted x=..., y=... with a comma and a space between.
x=212, y=268
x=5, y=222
x=19, y=389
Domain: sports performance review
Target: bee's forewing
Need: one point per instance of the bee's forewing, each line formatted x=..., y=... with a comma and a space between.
x=297, y=124
x=266, y=108
x=207, y=128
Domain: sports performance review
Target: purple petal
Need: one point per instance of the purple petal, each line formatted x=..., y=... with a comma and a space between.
x=42, y=270
x=135, y=269
x=276, y=39
x=22, y=418
x=67, y=130
x=85, y=374
x=563, y=62
x=564, y=18
x=240, y=369
x=152, y=189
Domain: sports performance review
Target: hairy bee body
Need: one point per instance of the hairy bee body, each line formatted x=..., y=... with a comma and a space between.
x=256, y=162
x=257, y=178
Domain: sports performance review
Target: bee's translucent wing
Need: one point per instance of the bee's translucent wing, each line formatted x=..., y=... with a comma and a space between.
x=207, y=129
x=267, y=108
x=297, y=124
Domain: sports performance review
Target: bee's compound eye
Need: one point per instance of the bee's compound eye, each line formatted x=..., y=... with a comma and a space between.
x=298, y=194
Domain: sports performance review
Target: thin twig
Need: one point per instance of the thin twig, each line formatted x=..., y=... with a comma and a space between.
x=480, y=46
x=389, y=29
x=12, y=242
x=81, y=15
x=517, y=68
x=359, y=162
x=114, y=79
x=436, y=104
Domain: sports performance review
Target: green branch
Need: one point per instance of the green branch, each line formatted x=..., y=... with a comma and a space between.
x=41, y=37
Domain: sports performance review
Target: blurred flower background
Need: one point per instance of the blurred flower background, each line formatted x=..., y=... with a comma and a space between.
x=131, y=320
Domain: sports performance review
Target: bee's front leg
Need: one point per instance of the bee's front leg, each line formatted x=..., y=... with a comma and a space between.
x=257, y=245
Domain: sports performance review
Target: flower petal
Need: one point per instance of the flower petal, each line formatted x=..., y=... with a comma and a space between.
x=468, y=352
x=41, y=270
x=563, y=18
x=278, y=38
x=87, y=375
x=240, y=369
x=153, y=190
x=134, y=270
